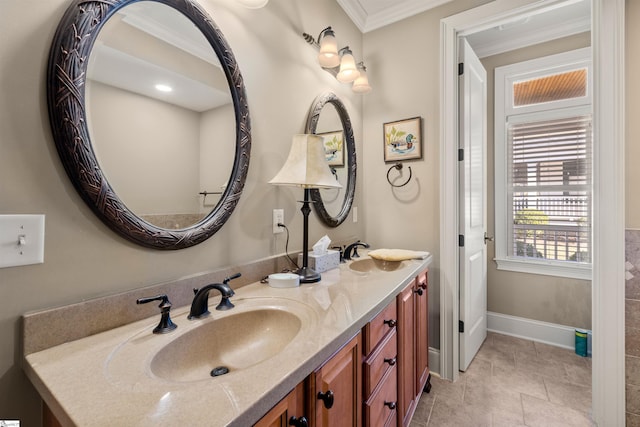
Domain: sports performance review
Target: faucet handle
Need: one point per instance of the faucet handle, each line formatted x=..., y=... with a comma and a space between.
x=341, y=251
x=230, y=278
x=165, y=325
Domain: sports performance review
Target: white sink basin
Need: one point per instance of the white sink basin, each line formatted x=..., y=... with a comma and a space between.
x=366, y=265
x=230, y=342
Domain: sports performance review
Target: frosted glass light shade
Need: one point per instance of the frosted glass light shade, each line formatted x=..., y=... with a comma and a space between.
x=253, y=4
x=361, y=84
x=348, y=71
x=306, y=165
x=328, y=56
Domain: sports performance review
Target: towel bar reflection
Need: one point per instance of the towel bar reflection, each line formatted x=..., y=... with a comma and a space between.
x=398, y=166
x=206, y=193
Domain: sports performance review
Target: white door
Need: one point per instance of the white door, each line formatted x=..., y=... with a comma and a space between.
x=472, y=205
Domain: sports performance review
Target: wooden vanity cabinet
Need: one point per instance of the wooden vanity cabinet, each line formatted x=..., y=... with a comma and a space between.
x=380, y=383
x=335, y=388
x=288, y=412
x=413, y=350
x=330, y=396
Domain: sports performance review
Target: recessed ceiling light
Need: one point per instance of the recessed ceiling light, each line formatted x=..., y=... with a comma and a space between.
x=253, y=4
x=164, y=88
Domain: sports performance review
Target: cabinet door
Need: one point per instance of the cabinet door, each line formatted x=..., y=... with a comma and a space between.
x=406, y=354
x=288, y=410
x=422, y=344
x=336, y=388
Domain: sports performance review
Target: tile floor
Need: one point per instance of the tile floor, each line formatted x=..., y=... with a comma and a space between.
x=512, y=382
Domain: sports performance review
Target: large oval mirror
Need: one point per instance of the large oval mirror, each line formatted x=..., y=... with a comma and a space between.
x=149, y=115
x=329, y=118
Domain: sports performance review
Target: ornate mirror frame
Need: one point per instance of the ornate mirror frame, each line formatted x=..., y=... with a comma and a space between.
x=66, y=75
x=350, y=144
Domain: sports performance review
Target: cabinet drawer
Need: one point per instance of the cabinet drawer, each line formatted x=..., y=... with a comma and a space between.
x=382, y=404
x=376, y=329
x=383, y=358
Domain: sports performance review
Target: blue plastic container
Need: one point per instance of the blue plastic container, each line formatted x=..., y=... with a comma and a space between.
x=581, y=342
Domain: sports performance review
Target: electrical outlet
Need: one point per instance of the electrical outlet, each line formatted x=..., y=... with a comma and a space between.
x=278, y=218
x=355, y=214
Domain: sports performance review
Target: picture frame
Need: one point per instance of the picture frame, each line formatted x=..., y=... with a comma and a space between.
x=333, y=147
x=402, y=140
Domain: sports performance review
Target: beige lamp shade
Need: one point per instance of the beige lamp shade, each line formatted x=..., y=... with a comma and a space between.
x=306, y=165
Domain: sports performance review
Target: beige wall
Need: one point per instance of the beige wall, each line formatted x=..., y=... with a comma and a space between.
x=83, y=257
x=403, y=67
x=149, y=149
x=549, y=299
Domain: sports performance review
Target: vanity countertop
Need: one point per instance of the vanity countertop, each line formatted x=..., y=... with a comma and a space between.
x=106, y=379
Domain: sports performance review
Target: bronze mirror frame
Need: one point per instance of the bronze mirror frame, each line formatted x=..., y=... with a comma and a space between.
x=350, y=145
x=66, y=76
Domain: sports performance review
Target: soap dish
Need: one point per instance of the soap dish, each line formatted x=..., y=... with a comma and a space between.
x=284, y=280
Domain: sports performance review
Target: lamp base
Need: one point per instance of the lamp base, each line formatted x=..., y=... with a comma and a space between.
x=308, y=275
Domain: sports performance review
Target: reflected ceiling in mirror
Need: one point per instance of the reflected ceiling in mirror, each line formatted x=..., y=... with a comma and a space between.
x=155, y=74
x=162, y=153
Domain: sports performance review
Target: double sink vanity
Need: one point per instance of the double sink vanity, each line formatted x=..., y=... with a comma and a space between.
x=359, y=335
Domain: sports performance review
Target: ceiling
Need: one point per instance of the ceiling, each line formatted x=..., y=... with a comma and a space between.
x=556, y=21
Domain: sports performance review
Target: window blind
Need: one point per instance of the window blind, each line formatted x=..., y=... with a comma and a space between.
x=549, y=187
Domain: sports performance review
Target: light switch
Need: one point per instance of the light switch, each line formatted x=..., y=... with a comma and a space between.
x=21, y=240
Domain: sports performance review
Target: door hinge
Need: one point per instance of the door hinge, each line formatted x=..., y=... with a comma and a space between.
x=460, y=326
x=460, y=68
x=461, y=240
x=460, y=154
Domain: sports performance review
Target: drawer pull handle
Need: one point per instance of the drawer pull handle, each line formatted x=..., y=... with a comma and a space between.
x=390, y=322
x=418, y=291
x=298, y=422
x=391, y=405
x=391, y=361
x=327, y=398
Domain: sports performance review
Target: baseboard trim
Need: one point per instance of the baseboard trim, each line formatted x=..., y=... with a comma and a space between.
x=434, y=360
x=535, y=330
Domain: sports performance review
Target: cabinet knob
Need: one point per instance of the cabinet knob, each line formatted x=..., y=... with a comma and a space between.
x=391, y=405
x=390, y=322
x=327, y=398
x=298, y=422
x=391, y=361
x=418, y=291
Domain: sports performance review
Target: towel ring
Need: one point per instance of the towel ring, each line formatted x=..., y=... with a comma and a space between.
x=398, y=166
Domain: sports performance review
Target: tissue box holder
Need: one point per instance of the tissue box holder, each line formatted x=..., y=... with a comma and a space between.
x=321, y=263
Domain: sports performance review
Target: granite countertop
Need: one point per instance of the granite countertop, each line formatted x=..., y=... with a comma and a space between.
x=107, y=379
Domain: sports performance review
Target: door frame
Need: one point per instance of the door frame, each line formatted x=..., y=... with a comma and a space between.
x=607, y=35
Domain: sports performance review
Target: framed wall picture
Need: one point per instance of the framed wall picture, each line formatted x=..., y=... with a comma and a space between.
x=333, y=147
x=403, y=140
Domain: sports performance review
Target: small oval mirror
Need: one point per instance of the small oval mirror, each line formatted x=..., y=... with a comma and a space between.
x=82, y=62
x=329, y=118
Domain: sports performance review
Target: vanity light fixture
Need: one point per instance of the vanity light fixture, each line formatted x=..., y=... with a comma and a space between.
x=306, y=167
x=339, y=62
x=361, y=84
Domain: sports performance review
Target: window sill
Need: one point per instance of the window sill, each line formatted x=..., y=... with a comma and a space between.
x=547, y=268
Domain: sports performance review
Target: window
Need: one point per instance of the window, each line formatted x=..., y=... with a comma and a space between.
x=543, y=166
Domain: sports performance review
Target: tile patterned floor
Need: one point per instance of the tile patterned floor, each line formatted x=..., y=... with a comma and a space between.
x=512, y=382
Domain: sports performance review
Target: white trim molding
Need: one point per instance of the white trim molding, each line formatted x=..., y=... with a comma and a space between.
x=608, y=41
x=534, y=330
x=434, y=361
x=608, y=210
